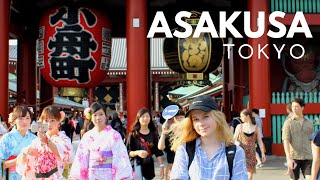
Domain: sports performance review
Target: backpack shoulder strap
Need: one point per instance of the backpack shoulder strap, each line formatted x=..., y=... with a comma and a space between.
x=230, y=153
x=191, y=147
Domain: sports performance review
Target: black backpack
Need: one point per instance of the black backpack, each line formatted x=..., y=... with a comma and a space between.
x=230, y=153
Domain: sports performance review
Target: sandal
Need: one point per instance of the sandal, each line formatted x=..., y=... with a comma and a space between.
x=259, y=165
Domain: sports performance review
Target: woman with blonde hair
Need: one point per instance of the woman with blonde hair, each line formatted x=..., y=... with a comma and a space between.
x=207, y=128
x=247, y=134
x=168, y=129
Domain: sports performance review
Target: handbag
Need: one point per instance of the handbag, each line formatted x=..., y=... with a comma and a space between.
x=4, y=172
x=137, y=170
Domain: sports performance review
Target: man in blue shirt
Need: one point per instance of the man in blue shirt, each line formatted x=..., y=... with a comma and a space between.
x=255, y=114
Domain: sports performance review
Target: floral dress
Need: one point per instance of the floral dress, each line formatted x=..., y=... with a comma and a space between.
x=248, y=143
x=101, y=155
x=65, y=150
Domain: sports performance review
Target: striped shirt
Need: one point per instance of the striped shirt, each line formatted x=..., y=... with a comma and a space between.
x=214, y=169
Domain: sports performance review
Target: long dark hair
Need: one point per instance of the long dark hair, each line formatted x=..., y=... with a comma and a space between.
x=96, y=106
x=249, y=112
x=136, y=126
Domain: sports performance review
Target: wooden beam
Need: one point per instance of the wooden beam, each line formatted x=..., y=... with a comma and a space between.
x=122, y=79
x=15, y=31
x=310, y=108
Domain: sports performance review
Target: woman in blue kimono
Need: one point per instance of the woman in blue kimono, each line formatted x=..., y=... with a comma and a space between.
x=12, y=142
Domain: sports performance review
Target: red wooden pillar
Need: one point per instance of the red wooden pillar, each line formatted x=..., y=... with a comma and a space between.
x=226, y=87
x=91, y=96
x=46, y=94
x=259, y=69
x=26, y=70
x=138, y=72
x=4, y=56
x=240, y=78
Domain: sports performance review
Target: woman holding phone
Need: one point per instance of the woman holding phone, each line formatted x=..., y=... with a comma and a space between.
x=47, y=155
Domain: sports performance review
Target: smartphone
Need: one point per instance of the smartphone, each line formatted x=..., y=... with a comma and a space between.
x=35, y=127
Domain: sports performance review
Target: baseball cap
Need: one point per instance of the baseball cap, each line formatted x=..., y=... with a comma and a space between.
x=204, y=103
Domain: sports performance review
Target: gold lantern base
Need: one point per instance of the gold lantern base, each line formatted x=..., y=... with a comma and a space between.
x=69, y=91
x=197, y=79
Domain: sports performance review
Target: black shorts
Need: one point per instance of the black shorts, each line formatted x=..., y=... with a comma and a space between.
x=304, y=165
x=258, y=150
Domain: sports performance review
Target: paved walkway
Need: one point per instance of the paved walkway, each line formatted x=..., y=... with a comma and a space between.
x=273, y=169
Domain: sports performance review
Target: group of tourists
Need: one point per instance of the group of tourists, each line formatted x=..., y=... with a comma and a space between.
x=199, y=139
x=27, y=156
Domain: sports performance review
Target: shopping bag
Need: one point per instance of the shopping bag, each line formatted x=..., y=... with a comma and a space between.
x=137, y=170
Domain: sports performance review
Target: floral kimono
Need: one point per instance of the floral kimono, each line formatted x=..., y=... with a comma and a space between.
x=11, y=145
x=101, y=155
x=65, y=150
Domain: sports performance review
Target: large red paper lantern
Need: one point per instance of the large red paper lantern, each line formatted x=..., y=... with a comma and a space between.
x=74, y=47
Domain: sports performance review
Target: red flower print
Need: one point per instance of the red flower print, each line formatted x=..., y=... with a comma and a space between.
x=114, y=171
x=108, y=128
x=116, y=136
x=83, y=173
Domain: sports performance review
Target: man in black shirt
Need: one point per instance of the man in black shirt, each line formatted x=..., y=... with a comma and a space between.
x=117, y=125
x=235, y=121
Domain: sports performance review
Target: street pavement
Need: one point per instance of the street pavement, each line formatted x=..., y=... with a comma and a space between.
x=273, y=169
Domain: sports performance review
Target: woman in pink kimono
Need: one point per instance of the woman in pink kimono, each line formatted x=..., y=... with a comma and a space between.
x=47, y=155
x=101, y=153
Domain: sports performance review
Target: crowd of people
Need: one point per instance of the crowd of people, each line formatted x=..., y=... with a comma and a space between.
x=199, y=139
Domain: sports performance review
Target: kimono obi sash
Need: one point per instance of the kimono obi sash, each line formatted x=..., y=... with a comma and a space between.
x=100, y=159
x=13, y=168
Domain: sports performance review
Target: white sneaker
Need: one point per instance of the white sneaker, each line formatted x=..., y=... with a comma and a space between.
x=259, y=165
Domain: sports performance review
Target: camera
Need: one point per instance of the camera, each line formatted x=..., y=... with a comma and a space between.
x=35, y=127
